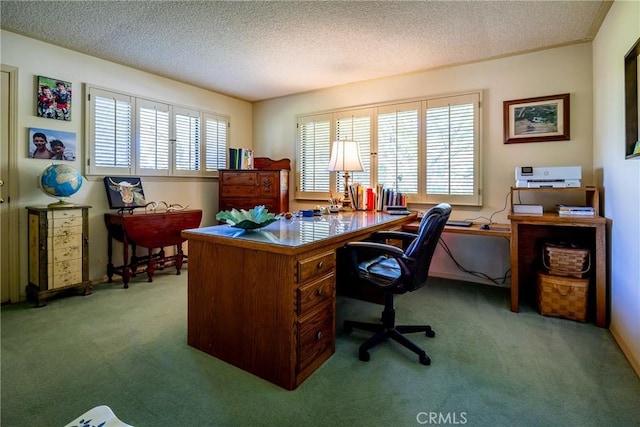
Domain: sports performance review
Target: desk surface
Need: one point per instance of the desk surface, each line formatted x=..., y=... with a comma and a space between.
x=295, y=234
x=496, y=230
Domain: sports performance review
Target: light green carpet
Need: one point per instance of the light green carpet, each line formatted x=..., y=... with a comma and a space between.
x=126, y=348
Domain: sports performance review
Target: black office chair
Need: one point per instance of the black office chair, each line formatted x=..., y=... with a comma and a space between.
x=395, y=271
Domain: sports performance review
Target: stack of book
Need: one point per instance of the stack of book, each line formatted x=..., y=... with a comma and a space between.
x=564, y=210
x=240, y=158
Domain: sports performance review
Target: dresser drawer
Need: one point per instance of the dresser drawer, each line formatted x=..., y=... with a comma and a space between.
x=316, y=266
x=240, y=178
x=316, y=337
x=313, y=294
x=239, y=191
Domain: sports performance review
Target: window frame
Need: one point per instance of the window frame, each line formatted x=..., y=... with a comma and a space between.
x=135, y=168
x=474, y=97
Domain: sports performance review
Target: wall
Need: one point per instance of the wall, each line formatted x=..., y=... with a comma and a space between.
x=620, y=178
x=549, y=72
x=33, y=58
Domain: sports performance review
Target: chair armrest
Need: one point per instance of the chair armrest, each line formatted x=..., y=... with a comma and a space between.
x=404, y=236
x=377, y=248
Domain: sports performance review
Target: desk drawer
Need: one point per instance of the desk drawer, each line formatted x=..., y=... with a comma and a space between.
x=316, y=337
x=316, y=266
x=313, y=294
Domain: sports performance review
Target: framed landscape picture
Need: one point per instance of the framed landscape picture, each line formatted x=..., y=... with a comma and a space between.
x=54, y=99
x=544, y=118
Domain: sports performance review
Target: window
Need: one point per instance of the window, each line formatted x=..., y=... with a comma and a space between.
x=169, y=140
x=428, y=149
x=314, y=145
x=398, y=146
x=452, y=158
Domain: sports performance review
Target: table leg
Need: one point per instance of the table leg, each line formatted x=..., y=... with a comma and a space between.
x=151, y=265
x=109, y=253
x=601, y=276
x=126, y=272
x=515, y=289
x=179, y=256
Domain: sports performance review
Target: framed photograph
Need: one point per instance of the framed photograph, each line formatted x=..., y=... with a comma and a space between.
x=124, y=192
x=51, y=144
x=54, y=98
x=545, y=118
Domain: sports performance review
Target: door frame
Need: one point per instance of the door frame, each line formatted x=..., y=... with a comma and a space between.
x=12, y=211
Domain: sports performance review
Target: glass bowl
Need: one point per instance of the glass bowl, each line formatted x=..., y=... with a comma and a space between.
x=251, y=219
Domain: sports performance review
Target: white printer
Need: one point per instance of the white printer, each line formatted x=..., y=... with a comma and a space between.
x=548, y=177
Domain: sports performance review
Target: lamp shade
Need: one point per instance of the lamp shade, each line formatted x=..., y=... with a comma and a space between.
x=345, y=156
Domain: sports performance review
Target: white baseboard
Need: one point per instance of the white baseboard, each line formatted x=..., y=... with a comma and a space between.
x=635, y=363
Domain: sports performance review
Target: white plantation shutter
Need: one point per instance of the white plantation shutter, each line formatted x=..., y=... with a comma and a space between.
x=187, y=140
x=314, y=143
x=397, y=147
x=452, y=149
x=356, y=126
x=428, y=149
x=110, y=130
x=215, y=142
x=132, y=136
x=153, y=137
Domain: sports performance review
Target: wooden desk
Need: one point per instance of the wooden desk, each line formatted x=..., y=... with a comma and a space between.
x=497, y=230
x=151, y=231
x=264, y=300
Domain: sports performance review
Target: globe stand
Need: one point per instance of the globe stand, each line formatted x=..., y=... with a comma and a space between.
x=60, y=204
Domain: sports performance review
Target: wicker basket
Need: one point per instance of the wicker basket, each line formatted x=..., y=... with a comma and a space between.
x=564, y=297
x=566, y=259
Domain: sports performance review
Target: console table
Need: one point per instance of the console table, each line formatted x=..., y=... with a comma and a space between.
x=264, y=300
x=155, y=230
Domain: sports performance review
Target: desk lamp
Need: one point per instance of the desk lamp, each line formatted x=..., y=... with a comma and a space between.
x=345, y=157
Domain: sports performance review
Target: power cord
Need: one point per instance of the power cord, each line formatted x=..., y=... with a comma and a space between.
x=497, y=280
x=490, y=219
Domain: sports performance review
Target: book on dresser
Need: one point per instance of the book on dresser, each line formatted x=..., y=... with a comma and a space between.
x=566, y=210
x=267, y=184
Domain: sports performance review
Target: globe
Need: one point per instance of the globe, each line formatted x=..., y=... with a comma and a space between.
x=61, y=182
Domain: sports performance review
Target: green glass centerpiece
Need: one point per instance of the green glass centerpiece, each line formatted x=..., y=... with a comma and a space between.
x=251, y=219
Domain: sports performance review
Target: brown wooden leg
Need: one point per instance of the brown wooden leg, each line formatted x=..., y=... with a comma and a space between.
x=179, y=255
x=151, y=266
x=126, y=272
x=109, y=259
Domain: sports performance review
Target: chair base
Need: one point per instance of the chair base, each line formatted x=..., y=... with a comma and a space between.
x=383, y=333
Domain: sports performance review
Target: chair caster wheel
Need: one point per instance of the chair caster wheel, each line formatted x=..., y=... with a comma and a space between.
x=424, y=359
x=430, y=333
x=364, y=356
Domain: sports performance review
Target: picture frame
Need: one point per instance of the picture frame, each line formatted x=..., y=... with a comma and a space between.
x=50, y=144
x=124, y=192
x=545, y=118
x=53, y=98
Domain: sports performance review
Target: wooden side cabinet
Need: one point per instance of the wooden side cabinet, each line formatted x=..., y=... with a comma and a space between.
x=58, y=251
x=528, y=232
x=247, y=188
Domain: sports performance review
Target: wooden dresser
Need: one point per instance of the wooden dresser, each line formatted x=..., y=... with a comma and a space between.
x=266, y=185
x=58, y=251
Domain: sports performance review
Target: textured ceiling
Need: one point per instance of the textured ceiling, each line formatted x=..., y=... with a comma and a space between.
x=257, y=50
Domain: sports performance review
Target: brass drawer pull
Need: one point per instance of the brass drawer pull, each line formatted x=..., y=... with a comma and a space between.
x=319, y=335
x=319, y=292
x=320, y=265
